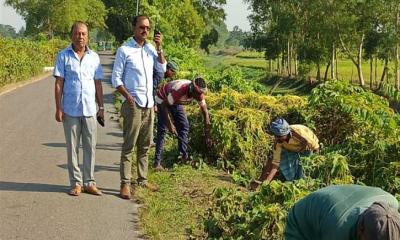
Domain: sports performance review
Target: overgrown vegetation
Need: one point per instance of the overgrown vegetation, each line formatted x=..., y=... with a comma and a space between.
x=21, y=59
x=358, y=129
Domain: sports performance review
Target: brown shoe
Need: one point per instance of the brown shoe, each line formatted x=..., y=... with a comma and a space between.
x=151, y=187
x=92, y=189
x=75, y=191
x=125, y=192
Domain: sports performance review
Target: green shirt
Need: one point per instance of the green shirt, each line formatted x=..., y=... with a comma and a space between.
x=331, y=213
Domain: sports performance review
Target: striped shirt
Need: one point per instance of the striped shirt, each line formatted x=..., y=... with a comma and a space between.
x=177, y=93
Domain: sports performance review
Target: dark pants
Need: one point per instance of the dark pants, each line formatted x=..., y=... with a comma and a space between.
x=182, y=127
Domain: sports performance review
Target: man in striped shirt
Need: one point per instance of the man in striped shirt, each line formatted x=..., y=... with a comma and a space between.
x=170, y=97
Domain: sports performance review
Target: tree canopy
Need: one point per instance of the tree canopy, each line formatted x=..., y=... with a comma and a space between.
x=55, y=17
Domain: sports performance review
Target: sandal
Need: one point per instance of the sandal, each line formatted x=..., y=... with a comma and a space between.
x=75, y=191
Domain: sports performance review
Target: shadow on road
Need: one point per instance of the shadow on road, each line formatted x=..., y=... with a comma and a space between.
x=97, y=168
x=32, y=187
x=112, y=147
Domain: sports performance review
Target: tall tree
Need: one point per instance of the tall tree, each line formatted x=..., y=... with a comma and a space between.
x=7, y=31
x=55, y=17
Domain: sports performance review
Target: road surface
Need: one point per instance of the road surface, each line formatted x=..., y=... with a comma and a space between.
x=34, y=203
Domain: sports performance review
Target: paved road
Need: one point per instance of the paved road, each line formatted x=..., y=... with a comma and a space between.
x=34, y=203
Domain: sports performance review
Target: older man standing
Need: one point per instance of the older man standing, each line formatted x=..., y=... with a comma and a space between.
x=133, y=77
x=78, y=76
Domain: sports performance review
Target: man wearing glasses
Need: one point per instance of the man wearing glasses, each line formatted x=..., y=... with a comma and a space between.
x=133, y=77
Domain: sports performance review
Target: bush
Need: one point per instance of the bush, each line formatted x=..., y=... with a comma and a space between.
x=360, y=125
x=262, y=214
x=238, y=123
x=21, y=59
x=259, y=215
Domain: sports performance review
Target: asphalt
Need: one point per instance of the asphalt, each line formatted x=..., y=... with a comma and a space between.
x=34, y=203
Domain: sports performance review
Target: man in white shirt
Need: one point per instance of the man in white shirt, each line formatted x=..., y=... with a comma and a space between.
x=133, y=77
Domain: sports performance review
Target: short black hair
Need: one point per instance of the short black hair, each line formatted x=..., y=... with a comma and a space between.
x=200, y=82
x=136, y=19
x=78, y=23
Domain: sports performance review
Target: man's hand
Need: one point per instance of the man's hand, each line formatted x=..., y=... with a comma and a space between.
x=158, y=40
x=172, y=129
x=131, y=100
x=100, y=113
x=59, y=115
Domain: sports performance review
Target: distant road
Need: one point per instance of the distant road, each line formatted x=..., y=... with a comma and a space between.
x=34, y=203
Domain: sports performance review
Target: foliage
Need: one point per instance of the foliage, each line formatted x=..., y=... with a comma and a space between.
x=190, y=62
x=250, y=54
x=176, y=211
x=238, y=124
x=360, y=125
x=181, y=22
x=236, y=37
x=232, y=77
x=259, y=215
x=22, y=59
x=208, y=39
x=55, y=17
x=262, y=214
x=7, y=31
x=314, y=31
x=390, y=92
x=330, y=168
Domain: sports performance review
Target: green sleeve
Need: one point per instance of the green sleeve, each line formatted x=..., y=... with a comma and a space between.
x=332, y=212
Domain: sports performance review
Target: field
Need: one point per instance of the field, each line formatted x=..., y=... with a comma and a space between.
x=211, y=201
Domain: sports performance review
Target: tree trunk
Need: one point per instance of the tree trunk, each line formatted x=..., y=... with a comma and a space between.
x=396, y=59
x=376, y=72
x=371, y=69
x=288, y=59
x=278, y=66
x=333, y=73
x=318, y=72
x=357, y=62
x=326, y=71
x=270, y=65
x=359, y=65
x=296, y=65
x=384, y=73
x=396, y=68
x=336, y=65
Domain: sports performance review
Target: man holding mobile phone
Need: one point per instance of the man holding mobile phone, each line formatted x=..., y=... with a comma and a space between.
x=134, y=66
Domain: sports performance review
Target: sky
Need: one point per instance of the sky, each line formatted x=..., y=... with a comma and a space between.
x=8, y=16
x=236, y=15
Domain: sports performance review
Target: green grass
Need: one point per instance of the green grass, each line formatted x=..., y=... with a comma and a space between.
x=175, y=212
x=346, y=69
x=215, y=60
x=250, y=54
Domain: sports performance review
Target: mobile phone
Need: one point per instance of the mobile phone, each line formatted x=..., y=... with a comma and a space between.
x=156, y=31
x=100, y=120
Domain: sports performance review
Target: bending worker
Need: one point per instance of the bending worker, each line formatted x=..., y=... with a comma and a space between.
x=291, y=143
x=170, y=98
x=345, y=212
